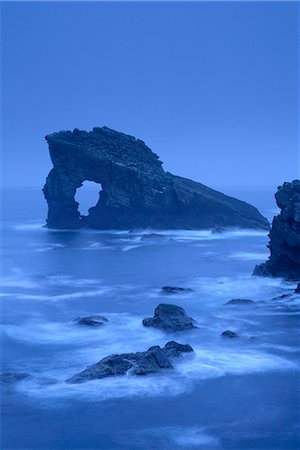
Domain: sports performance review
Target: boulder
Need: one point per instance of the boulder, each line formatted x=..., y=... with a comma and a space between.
x=229, y=334
x=240, y=301
x=169, y=318
x=142, y=363
x=284, y=244
x=136, y=191
x=297, y=290
x=91, y=321
x=218, y=230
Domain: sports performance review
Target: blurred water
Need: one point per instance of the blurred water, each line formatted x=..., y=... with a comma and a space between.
x=232, y=394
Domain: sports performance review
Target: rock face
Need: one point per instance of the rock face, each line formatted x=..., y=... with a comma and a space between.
x=136, y=191
x=141, y=363
x=284, y=245
x=169, y=318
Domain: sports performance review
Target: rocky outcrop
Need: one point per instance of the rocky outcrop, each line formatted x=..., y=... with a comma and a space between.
x=136, y=191
x=141, y=363
x=169, y=318
x=284, y=245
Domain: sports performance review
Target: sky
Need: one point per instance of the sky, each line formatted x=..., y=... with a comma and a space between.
x=211, y=87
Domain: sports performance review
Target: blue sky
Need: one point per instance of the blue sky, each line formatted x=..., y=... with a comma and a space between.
x=212, y=87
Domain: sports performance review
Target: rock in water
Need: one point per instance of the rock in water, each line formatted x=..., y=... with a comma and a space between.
x=136, y=191
x=13, y=377
x=240, y=301
x=229, y=334
x=284, y=245
x=92, y=321
x=297, y=290
x=169, y=318
x=170, y=290
x=141, y=363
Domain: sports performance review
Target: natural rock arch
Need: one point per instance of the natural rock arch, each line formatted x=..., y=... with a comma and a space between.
x=136, y=191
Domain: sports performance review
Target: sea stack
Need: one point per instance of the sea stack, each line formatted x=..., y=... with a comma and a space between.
x=284, y=245
x=136, y=191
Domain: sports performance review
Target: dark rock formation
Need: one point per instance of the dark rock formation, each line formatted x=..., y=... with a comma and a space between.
x=284, y=245
x=13, y=377
x=141, y=363
x=136, y=191
x=229, y=334
x=297, y=290
x=239, y=301
x=169, y=318
x=170, y=290
x=92, y=321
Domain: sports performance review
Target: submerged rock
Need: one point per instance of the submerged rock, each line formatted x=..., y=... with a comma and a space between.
x=229, y=334
x=146, y=237
x=284, y=245
x=174, y=290
x=239, y=301
x=170, y=318
x=92, y=321
x=13, y=377
x=136, y=191
x=141, y=363
x=218, y=230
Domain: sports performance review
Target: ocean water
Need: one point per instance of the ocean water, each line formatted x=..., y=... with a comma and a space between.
x=231, y=394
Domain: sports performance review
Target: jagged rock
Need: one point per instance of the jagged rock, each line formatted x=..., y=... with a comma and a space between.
x=174, y=290
x=92, y=321
x=239, y=301
x=284, y=245
x=229, y=334
x=297, y=290
x=170, y=318
x=136, y=191
x=13, y=377
x=141, y=363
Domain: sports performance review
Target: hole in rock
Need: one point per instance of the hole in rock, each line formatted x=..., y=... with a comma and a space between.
x=87, y=196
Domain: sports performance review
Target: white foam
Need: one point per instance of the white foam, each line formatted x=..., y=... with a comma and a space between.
x=249, y=256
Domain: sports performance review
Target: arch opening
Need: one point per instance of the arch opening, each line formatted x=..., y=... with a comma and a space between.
x=87, y=196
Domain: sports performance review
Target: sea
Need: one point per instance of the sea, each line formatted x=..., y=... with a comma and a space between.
x=240, y=393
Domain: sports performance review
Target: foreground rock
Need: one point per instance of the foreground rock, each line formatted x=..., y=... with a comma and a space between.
x=91, y=321
x=136, y=191
x=174, y=290
x=13, y=377
x=284, y=245
x=141, y=363
x=169, y=318
x=240, y=301
x=229, y=334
